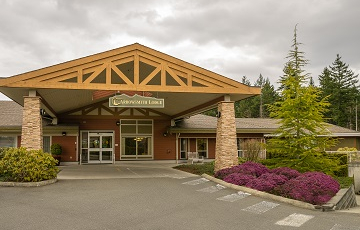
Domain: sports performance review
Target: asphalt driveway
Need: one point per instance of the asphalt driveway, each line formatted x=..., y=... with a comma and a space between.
x=164, y=199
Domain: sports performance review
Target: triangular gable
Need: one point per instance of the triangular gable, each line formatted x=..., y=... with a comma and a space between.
x=135, y=68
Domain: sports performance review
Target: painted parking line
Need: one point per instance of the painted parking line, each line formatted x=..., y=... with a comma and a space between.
x=212, y=189
x=340, y=227
x=294, y=220
x=234, y=197
x=261, y=207
x=196, y=182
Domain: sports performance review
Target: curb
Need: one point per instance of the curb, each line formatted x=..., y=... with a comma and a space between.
x=28, y=184
x=265, y=195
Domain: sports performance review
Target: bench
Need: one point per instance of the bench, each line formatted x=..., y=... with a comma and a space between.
x=193, y=157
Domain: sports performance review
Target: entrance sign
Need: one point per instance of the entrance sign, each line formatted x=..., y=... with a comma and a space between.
x=135, y=101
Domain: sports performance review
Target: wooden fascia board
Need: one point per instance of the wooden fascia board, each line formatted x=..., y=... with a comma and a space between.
x=103, y=86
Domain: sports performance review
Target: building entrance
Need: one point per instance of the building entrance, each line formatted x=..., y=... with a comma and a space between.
x=97, y=147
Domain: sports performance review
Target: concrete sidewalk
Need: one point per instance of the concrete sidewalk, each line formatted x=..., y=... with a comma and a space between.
x=121, y=170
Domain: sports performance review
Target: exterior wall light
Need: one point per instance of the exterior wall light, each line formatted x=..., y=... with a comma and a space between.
x=63, y=133
x=118, y=123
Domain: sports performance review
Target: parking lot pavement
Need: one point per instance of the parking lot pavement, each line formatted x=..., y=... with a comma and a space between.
x=154, y=203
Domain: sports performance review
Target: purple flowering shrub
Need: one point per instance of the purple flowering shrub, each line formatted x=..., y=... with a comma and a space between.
x=261, y=184
x=266, y=182
x=238, y=178
x=249, y=168
x=288, y=172
x=312, y=187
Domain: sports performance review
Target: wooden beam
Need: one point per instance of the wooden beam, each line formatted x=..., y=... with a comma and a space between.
x=151, y=75
x=176, y=78
x=80, y=76
x=121, y=74
x=108, y=73
x=136, y=69
x=163, y=76
x=96, y=73
x=47, y=105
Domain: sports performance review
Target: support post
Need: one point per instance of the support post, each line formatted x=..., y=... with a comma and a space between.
x=226, y=148
x=32, y=134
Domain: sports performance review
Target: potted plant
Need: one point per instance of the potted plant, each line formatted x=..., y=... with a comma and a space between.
x=56, y=151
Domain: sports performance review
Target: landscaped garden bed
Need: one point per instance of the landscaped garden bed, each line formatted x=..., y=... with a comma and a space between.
x=311, y=187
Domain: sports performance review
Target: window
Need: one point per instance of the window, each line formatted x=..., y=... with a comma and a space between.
x=8, y=141
x=46, y=144
x=202, y=147
x=136, y=139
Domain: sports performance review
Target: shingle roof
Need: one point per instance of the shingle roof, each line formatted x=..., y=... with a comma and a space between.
x=256, y=125
x=10, y=114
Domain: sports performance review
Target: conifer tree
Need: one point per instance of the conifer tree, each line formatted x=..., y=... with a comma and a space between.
x=340, y=84
x=302, y=134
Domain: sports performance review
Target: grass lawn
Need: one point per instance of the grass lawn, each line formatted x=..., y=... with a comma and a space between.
x=208, y=168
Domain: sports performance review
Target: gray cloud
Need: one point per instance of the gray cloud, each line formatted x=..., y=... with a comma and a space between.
x=233, y=38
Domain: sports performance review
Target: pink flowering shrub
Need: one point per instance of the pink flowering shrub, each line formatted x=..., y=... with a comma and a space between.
x=312, y=187
x=288, y=172
x=238, y=178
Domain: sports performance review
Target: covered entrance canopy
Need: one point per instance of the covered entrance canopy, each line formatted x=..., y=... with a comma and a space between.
x=186, y=88
x=80, y=89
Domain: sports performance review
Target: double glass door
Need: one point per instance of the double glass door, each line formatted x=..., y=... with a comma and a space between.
x=97, y=147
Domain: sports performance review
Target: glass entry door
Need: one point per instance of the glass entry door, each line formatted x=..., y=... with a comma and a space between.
x=97, y=147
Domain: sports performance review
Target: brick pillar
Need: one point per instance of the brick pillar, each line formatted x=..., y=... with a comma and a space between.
x=32, y=135
x=226, y=148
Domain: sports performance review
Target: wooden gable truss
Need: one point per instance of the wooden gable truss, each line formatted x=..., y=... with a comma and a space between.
x=134, y=68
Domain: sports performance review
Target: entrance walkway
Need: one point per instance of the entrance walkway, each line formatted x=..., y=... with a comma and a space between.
x=121, y=170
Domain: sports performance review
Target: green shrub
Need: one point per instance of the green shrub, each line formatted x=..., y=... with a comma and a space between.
x=2, y=151
x=198, y=169
x=21, y=165
x=55, y=149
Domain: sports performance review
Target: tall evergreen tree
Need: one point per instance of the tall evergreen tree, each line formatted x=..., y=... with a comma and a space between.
x=340, y=84
x=257, y=106
x=269, y=97
x=302, y=134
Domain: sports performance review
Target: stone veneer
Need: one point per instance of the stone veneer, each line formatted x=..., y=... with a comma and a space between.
x=226, y=149
x=32, y=134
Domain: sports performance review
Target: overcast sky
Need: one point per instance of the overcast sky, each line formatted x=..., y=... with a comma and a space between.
x=233, y=38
